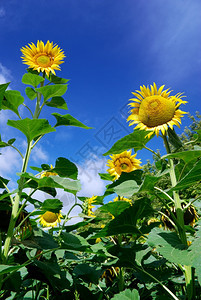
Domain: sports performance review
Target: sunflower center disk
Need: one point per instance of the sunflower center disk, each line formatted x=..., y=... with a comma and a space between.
x=124, y=166
x=50, y=217
x=156, y=110
x=43, y=60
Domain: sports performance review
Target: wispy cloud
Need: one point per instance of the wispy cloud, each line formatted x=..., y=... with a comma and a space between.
x=2, y=12
x=38, y=154
x=9, y=162
x=5, y=74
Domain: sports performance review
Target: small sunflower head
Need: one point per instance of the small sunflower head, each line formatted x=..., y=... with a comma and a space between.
x=109, y=275
x=48, y=173
x=87, y=207
x=50, y=219
x=155, y=110
x=43, y=57
x=123, y=162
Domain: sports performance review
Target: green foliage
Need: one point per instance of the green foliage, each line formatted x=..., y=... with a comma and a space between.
x=127, y=295
x=32, y=79
x=12, y=100
x=136, y=140
x=68, y=120
x=32, y=128
x=50, y=91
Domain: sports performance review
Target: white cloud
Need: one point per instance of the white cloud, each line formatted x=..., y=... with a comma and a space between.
x=9, y=162
x=5, y=74
x=39, y=155
x=89, y=178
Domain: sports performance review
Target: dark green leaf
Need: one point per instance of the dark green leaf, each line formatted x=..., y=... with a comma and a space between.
x=65, y=168
x=30, y=92
x=12, y=100
x=3, y=180
x=186, y=156
x=32, y=127
x=54, y=205
x=114, y=208
x=68, y=120
x=148, y=184
x=32, y=79
x=57, y=102
x=50, y=91
x=87, y=273
x=136, y=140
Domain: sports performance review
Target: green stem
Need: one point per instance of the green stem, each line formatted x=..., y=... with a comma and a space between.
x=15, y=206
x=121, y=279
x=66, y=217
x=188, y=270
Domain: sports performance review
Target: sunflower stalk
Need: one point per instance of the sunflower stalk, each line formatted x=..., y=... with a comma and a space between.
x=188, y=270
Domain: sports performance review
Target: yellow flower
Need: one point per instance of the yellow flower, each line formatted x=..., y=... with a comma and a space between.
x=43, y=58
x=50, y=219
x=47, y=173
x=154, y=109
x=122, y=199
x=123, y=162
x=90, y=213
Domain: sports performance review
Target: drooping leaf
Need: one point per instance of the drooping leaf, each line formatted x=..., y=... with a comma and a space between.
x=50, y=91
x=88, y=273
x=65, y=168
x=31, y=93
x=53, y=205
x=32, y=79
x=68, y=120
x=2, y=182
x=57, y=102
x=12, y=100
x=114, y=208
x=3, y=87
x=106, y=176
x=32, y=128
x=135, y=140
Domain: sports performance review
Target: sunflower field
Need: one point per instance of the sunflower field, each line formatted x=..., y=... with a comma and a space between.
x=143, y=244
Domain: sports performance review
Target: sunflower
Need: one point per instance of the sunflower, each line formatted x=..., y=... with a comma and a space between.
x=87, y=206
x=43, y=58
x=154, y=109
x=48, y=173
x=123, y=162
x=122, y=199
x=50, y=219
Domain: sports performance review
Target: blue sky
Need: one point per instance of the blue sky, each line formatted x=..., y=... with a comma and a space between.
x=111, y=47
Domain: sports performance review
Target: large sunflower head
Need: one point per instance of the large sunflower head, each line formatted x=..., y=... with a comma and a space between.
x=50, y=219
x=43, y=58
x=123, y=162
x=154, y=109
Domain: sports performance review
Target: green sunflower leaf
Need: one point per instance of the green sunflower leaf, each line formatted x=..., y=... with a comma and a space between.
x=68, y=120
x=136, y=140
x=193, y=176
x=12, y=100
x=3, y=87
x=127, y=295
x=65, y=168
x=57, y=80
x=186, y=156
x=50, y=91
x=32, y=128
x=57, y=102
x=74, y=242
x=169, y=246
x=53, y=205
x=31, y=93
x=32, y=79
